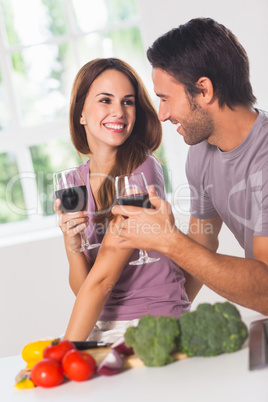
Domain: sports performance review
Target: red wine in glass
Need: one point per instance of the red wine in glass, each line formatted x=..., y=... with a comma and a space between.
x=70, y=188
x=136, y=200
x=132, y=190
x=73, y=199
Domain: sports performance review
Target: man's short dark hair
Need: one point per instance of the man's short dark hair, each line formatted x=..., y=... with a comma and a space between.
x=204, y=48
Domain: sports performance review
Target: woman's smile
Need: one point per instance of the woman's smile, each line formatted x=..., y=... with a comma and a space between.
x=115, y=127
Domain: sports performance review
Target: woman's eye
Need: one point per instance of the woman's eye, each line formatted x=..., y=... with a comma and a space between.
x=105, y=100
x=128, y=102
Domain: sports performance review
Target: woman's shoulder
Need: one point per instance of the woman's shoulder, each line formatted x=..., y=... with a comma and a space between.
x=84, y=167
x=153, y=173
x=151, y=162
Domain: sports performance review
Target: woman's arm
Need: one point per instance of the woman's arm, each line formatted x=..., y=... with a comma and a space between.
x=71, y=224
x=97, y=286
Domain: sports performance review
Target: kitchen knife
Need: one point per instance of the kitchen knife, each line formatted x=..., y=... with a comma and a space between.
x=83, y=345
x=258, y=344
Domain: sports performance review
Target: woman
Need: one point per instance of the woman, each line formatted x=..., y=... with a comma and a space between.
x=113, y=123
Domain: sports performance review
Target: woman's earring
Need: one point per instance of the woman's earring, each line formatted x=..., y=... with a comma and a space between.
x=82, y=121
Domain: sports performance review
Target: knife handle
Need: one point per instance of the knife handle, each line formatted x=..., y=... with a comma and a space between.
x=83, y=345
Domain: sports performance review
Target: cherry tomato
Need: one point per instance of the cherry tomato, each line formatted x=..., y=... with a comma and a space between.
x=57, y=349
x=78, y=366
x=47, y=373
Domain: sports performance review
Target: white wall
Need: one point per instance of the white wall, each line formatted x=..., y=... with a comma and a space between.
x=35, y=299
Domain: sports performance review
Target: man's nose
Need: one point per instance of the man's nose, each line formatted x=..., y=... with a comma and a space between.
x=163, y=113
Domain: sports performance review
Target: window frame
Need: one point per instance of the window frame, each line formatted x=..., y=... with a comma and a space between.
x=18, y=139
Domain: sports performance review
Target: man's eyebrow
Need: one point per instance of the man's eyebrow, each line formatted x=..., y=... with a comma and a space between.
x=162, y=96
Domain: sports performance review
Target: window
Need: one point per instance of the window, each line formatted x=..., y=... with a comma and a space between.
x=41, y=51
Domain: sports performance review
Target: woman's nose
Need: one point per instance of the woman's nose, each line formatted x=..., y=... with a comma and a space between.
x=117, y=111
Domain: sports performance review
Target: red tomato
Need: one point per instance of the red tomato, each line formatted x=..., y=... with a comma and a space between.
x=47, y=373
x=57, y=349
x=78, y=366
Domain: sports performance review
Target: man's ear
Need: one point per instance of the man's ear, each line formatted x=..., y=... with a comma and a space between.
x=204, y=84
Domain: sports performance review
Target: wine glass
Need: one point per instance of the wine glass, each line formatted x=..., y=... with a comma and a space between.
x=132, y=190
x=70, y=188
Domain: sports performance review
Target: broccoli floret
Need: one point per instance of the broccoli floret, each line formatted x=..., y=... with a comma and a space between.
x=153, y=340
x=211, y=330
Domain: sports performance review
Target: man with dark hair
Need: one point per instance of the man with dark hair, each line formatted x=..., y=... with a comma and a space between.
x=201, y=75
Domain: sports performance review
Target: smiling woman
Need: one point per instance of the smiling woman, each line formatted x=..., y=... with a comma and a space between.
x=114, y=123
x=111, y=100
x=39, y=57
x=127, y=104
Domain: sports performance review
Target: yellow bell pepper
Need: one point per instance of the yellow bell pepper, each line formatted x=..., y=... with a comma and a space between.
x=33, y=352
x=24, y=383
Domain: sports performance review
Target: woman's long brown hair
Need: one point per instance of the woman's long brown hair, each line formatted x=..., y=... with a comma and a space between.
x=144, y=139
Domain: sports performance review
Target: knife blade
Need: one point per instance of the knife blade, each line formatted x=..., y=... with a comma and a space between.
x=258, y=344
x=83, y=345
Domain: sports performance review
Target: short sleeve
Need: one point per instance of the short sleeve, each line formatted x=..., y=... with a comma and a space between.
x=201, y=206
x=259, y=206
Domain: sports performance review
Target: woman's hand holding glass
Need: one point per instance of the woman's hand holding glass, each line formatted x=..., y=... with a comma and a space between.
x=71, y=225
x=70, y=189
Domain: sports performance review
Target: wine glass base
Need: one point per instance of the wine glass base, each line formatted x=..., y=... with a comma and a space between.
x=87, y=247
x=144, y=260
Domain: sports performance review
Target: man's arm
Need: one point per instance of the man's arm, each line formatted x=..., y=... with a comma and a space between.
x=241, y=280
x=204, y=232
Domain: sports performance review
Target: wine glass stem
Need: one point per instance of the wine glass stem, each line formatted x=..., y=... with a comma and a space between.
x=143, y=254
x=84, y=240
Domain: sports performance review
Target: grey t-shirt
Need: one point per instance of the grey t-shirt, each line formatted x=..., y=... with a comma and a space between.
x=233, y=184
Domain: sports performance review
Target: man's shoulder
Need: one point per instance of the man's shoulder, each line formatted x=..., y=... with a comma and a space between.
x=199, y=159
x=198, y=151
x=262, y=118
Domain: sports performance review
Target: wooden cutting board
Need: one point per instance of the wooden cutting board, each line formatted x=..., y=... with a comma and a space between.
x=129, y=361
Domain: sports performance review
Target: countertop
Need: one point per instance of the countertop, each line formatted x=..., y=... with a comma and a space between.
x=197, y=379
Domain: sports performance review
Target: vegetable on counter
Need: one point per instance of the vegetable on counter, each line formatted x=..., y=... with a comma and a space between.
x=52, y=362
x=156, y=341
x=153, y=340
x=57, y=349
x=111, y=364
x=120, y=347
x=208, y=331
x=47, y=373
x=24, y=383
x=78, y=366
x=33, y=351
x=211, y=330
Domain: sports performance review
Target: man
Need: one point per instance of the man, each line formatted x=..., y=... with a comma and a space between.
x=201, y=75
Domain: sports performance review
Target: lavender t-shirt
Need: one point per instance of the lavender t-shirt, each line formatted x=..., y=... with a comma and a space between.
x=233, y=184
x=156, y=288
